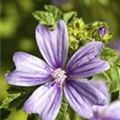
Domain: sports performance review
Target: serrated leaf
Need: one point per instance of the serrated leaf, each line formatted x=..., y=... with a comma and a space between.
x=67, y=17
x=4, y=113
x=56, y=12
x=113, y=77
x=63, y=113
x=18, y=102
x=17, y=96
x=9, y=99
x=109, y=55
x=45, y=18
x=51, y=15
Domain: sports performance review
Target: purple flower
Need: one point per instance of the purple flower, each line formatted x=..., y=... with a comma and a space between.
x=108, y=112
x=30, y=71
x=102, y=31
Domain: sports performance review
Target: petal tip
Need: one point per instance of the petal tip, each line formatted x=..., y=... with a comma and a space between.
x=107, y=66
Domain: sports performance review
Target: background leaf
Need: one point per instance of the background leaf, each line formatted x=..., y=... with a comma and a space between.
x=11, y=97
x=52, y=15
x=109, y=55
x=113, y=77
x=4, y=113
x=32, y=117
x=63, y=113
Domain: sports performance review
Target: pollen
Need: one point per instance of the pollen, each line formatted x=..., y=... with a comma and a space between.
x=59, y=75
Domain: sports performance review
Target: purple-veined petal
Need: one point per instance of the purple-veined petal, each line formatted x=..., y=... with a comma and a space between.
x=29, y=71
x=113, y=110
x=53, y=45
x=82, y=96
x=86, y=62
x=101, y=85
x=45, y=101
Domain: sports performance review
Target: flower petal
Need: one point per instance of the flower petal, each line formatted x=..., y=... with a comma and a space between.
x=113, y=110
x=101, y=85
x=29, y=71
x=82, y=96
x=86, y=62
x=53, y=44
x=45, y=101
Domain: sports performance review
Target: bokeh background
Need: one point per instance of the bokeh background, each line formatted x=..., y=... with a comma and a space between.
x=17, y=28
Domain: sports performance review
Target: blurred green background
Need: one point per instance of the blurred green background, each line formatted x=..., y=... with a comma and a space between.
x=18, y=29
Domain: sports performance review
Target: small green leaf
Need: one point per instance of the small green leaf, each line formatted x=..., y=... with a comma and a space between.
x=45, y=18
x=109, y=55
x=9, y=99
x=56, y=12
x=63, y=113
x=17, y=96
x=69, y=16
x=113, y=77
x=4, y=113
x=18, y=102
x=51, y=15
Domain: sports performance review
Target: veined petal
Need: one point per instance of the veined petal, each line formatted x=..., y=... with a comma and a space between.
x=82, y=96
x=29, y=71
x=45, y=101
x=101, y=85
x=86, y=62
x=53, y=45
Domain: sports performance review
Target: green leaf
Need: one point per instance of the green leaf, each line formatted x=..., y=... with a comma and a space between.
x=63, y=113
x=32, y=117
x=113, y=77
x=81, y=33
x=109, y=55
x=4, y=113
x=57, y=14
x=51, y=15
x=45, y=18
x=17, y=96
x=68, y=17
x=9, y=99
x=18, y=102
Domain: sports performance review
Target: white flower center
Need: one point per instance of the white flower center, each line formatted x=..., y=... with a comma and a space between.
x=59, y=75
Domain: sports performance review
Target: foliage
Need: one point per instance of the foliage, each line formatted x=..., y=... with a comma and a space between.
x=63, y=113
x=11, y=97
x=52, y=15
x=16, y=97
x=32, y=117
x=4, y=113
x=113, y=74
x=81, y=33
x=113, y=77
x=109, y=55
